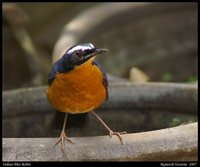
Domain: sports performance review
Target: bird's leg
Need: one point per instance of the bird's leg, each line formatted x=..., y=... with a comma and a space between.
x=118, y=134
x=63, y=136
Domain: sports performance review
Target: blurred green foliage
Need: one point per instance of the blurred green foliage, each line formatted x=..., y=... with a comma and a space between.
x=166, y=77
x=175, y=122
x=192, y=79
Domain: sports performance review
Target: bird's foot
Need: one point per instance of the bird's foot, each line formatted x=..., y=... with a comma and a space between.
x=118, y=134
x=62, y=139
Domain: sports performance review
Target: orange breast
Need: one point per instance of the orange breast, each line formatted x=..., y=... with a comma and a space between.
x=78, y=91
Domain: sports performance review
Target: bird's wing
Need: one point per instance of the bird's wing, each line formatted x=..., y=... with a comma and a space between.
x=105, y=79
x=57, y=67
x=52, y=75
x=60, y=67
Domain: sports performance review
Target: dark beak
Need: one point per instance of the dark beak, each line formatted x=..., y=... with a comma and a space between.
x=96, y=52
x=100, y=51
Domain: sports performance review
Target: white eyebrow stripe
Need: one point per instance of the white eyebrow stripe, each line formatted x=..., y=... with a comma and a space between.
x=78, y=47
x=92, y=46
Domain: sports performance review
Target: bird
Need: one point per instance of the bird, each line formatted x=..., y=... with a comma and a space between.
x=77, y=84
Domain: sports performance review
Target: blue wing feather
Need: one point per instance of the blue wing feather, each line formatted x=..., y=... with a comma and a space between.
x=52, y=74
x=58, y=67
x=105, y=79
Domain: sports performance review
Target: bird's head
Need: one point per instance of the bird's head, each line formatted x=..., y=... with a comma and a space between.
x=79, y=54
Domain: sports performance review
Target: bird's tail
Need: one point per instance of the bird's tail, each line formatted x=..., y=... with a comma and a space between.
x=73, y=120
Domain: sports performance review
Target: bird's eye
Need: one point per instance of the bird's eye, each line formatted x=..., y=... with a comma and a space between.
x=79, y=53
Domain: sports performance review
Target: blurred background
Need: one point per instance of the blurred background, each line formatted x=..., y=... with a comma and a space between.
x=148, y=42
x=30, y=31
x=158, y=41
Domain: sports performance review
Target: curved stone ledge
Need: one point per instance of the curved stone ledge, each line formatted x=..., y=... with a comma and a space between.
x=171, y=144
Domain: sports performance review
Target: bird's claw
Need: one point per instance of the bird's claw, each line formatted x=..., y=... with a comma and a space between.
x=62, y=139
x=118, y=134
